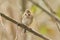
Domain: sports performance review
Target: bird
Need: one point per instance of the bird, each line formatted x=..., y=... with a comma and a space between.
x=27, y=18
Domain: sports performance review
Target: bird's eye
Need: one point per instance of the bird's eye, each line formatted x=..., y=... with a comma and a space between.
x=25, y=14
x=28, y=14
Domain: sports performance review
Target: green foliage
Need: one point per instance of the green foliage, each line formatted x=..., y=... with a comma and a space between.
x=33, y=8
x=43, y=29
x=58, y=11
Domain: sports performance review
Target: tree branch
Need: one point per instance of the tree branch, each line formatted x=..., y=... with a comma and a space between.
x=50, y=14
x=49, y=7
x=25, y=27
x=24, y=2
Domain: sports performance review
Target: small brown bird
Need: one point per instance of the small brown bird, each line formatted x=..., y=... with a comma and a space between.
x=27, y=18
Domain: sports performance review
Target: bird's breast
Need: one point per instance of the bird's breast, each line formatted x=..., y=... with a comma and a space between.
x=26, y=21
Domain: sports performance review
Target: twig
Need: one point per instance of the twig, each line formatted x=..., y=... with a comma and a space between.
x=51, y=12
x=24, y=2
x=24, y=26
x=49, y=7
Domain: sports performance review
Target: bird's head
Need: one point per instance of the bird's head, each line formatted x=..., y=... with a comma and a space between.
x=27, y=13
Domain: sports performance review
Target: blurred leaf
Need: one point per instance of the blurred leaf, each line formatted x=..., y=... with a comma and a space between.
x=33, y=8
x=58, y=11
x=51, y=32
x=43, y=29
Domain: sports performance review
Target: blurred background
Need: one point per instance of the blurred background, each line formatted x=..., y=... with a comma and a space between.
x=42, y=22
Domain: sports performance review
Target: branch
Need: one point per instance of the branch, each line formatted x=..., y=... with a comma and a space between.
x=24, y=2
x=49, y=7
x=24, y=26
x=50, y=14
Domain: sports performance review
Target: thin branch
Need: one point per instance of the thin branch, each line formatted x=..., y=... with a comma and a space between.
x=48, y=6
x=24, y=26
x=58, y=26
x=50, y=14
x=23, y=5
